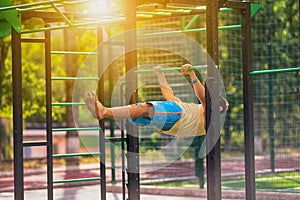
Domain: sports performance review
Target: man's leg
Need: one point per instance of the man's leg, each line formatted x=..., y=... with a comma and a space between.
x=124, y=112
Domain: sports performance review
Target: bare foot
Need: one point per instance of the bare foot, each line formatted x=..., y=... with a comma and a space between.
x=95, y=107
x=90, y=103
x=99, y=108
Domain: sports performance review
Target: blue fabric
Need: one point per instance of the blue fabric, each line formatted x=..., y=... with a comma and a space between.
x=166, y=113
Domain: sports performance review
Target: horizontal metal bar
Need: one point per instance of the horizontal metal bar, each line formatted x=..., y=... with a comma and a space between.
x=69, y=104
x=37, y=143
x=173, y=69
x=113, y=139
x=190, y=2
x=73, y=53
x=34, y=4
x=220, y=28
x=158, y=14
x=177, y=11
x=28, y=5
x=42, y=7
x=76, y=129
x=33, y=40
x=275, y=71
x=77, y=180
x=102, y=22
x=73, y=78
x=75, y=155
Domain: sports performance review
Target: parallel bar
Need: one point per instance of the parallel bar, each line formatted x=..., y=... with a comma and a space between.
x=73, y=78
x=77, y=180
x=275, y=71
x=76, y=129
x=75, y=155
x=36, y=144
x=73, y=53
x=69, y=104
x=175, y=69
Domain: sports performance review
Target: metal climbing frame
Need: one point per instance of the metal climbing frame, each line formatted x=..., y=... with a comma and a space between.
x=51, y=12
x=19, y=144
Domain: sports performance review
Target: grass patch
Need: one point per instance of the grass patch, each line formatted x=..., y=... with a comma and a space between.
x=278, y=182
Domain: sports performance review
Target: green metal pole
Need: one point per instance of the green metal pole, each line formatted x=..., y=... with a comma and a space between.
x=228, y=27
x=112, y=153
x=271, y=110
x=199, y=162
x=172, y=69
x=274, y=71
x=189, y=25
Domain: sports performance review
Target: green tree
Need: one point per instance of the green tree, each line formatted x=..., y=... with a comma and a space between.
x=276, y=45
x=5, y=100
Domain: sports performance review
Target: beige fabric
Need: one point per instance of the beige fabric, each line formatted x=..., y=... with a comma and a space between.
x=191, y=123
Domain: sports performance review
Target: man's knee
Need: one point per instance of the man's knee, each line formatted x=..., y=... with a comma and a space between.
x=141, y=109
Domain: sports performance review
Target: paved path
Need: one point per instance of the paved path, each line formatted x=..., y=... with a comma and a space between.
x=86, y=193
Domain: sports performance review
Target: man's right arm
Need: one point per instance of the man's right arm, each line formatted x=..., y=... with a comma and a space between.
x=166, y=90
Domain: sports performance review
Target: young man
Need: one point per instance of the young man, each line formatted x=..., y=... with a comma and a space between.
x=172, y=116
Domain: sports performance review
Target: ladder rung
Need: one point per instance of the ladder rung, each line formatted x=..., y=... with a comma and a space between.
x=75, y=154
x=73, y=78
x=73, y=53
x=77, y=129
x=69, y=104
x=77, y=180
x=29, y=144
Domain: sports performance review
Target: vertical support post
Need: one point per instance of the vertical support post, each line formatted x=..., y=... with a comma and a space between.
x=112, y=152
x=248, y=102
x=199, y=162
x=17, y=115
x=211, y=94
x=271, y=109
x=100, y=31
x=49, y=114
x=132, y=97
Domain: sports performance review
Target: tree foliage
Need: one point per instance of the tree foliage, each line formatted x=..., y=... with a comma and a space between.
x=277, y=23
